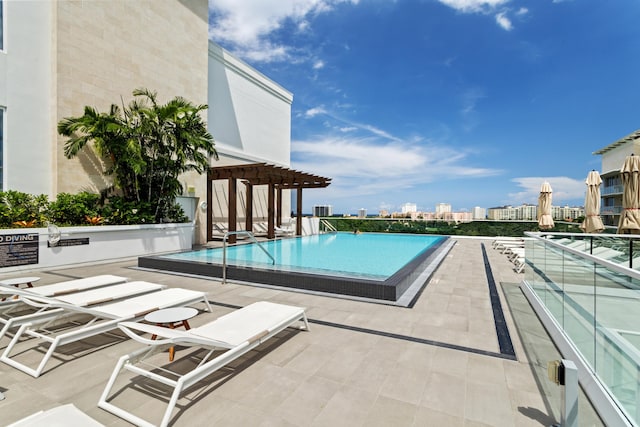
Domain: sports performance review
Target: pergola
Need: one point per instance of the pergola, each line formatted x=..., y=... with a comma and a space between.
x=276, y=177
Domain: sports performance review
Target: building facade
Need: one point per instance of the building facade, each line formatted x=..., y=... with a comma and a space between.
x=56, y=57
x=513, y=213
x=443, y=210
x=530, y=213
x=479, y=213
x=323, y=210
x=408, y=208
x=613, y=156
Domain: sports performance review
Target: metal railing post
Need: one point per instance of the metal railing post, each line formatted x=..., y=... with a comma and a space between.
x=224, y=250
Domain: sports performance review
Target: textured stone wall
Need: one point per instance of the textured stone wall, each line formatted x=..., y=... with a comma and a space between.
x=106, y=49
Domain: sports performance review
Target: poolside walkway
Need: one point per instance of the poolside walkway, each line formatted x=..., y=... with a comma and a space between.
x=440, y=363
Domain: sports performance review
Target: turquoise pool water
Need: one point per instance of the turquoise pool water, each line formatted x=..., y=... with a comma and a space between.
x=368, y=255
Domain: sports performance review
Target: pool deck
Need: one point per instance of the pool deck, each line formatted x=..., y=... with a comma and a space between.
x=439, y=363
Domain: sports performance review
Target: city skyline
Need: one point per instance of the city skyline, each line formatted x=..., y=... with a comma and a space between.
x=476, y=102
x=328, y=209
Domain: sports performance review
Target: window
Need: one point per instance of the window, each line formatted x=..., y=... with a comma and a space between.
x=1, y=26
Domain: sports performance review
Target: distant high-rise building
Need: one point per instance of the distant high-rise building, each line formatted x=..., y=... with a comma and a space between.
x=362, y=213
x=479, y=213
x=323, y=210
x=443, y=210
x=409, y=208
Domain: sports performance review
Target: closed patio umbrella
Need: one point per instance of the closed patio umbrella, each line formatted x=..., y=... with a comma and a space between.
x=545, y=220
x=630, y=215
x=592, y=222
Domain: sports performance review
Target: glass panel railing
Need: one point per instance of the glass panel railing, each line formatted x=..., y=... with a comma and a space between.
x=614, y=189
x=586, y=285
x=610, y=210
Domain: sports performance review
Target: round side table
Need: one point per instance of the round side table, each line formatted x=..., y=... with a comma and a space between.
x=171, y=318
x=18, y=281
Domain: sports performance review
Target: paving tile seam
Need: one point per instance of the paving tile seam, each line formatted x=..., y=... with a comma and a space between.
x=394, y=336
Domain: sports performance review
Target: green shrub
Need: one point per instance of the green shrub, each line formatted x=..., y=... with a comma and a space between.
x=22, y=208
x=118, y=211
x=73, y=209
x=19, y=209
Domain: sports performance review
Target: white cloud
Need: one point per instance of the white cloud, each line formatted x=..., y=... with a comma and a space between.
x=347, y=128
x=312, y=112
x=470, y=99
x=486, y=7
x=503, y=21
x=246, y=24
x=472, y=6
x=368, y=166
x=565, y=189
x=318, y=64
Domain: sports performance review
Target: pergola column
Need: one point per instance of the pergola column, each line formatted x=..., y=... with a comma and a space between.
x=209, y=207
x=299, y=212
x=233, y=208
x=271, y=230
x=248, y=224
x=279, y=211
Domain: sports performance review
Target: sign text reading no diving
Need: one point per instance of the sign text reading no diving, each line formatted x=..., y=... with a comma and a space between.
x=18, y=249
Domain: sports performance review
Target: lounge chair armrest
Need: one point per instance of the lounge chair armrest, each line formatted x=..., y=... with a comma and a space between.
x=171, y=336
x=129, y=328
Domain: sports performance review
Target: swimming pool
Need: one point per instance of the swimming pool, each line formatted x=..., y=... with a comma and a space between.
x=370, y=265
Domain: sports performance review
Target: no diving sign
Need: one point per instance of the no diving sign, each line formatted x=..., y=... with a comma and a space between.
x=18, y=249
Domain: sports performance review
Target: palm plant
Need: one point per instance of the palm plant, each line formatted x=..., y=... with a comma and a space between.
x=146, y=145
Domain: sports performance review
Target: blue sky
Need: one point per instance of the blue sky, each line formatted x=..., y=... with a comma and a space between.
x=467, y=102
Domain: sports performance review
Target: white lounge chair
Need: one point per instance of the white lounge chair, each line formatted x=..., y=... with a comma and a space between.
x=237, y=332
x=97, y=320
x=505, y=239
x=12, y=307
x=60, y=416
x=504, y=247
x=88, y=298
x=65, y=287
x=59, y=288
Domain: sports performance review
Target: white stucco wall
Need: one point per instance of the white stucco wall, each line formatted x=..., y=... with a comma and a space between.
x=249, y=115
x=25, y=92
x=106, y=243
x=612, y=160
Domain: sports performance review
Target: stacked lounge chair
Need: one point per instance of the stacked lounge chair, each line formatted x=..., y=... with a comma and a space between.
x=13, y=306
x=513, y=248
x=69, y=318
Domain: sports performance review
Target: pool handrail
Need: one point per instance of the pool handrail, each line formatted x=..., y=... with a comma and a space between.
x=328, y=226
x=224, y=249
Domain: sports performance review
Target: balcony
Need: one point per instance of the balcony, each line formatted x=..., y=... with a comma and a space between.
x=614, y=189
x=610, y=210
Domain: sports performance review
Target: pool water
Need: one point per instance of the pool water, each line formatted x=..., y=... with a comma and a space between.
x=374, y=256
x=370, y=266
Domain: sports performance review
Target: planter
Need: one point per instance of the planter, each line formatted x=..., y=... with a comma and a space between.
x=35, y=248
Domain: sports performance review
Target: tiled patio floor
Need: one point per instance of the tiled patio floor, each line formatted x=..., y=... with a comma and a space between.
x=361, y=364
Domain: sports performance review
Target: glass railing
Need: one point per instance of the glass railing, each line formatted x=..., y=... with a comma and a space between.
x=586, y=284
x=610, y=210
x=614, y=189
